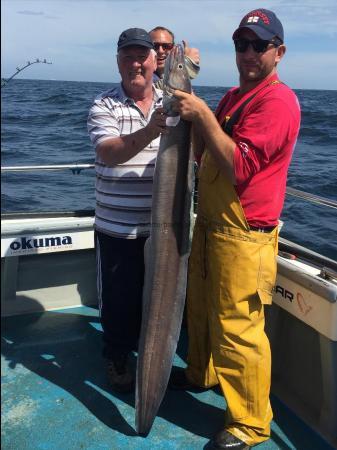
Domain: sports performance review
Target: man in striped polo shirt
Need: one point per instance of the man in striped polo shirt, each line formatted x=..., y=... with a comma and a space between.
x=124, y=125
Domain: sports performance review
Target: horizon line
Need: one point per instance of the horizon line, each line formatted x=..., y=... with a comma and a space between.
x=117, y=82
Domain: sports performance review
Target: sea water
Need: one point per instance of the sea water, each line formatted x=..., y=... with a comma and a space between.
x=44, y=123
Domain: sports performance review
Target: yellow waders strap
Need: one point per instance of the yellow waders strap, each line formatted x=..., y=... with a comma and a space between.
x=230, y=121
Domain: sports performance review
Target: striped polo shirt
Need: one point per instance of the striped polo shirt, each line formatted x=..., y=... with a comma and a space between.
x=123, y=192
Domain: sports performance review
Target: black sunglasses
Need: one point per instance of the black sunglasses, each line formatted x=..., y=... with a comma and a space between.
x=165, y=46
x=259, y=45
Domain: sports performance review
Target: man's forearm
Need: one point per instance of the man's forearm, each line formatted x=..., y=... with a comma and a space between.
x=120, y=149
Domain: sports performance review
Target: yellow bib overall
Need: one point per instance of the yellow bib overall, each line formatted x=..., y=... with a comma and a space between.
x=232, y=272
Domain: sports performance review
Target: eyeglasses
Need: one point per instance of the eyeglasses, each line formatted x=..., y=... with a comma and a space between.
x=259, y=45
x=165, y=46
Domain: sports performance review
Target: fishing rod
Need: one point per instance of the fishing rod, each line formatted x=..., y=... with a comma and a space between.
x=77, y=168
x=4, y=81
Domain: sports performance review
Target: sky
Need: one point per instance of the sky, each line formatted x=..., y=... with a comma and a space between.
x=79, y=37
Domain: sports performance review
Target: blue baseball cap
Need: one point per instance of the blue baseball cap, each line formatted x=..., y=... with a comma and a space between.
x=263, y=23
x=134, y=36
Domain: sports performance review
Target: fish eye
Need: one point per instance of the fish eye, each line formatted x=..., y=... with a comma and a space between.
x=180, y=66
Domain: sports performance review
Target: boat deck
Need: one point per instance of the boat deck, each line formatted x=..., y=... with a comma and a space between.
x=55, y=395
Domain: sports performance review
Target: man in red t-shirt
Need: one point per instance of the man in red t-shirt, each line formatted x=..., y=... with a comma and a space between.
x=245, y=151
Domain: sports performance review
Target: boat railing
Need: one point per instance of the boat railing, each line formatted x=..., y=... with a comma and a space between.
x=77, y=168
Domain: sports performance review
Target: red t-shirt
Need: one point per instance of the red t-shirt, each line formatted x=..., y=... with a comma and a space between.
x=265, y=134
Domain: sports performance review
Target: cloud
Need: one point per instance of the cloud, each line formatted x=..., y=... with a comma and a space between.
x=31, y=13
x=37, y=13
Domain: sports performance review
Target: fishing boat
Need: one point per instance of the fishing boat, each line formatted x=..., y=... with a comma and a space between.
x=54, y=390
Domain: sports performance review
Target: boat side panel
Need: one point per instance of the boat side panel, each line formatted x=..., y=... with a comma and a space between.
x=48, y=281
